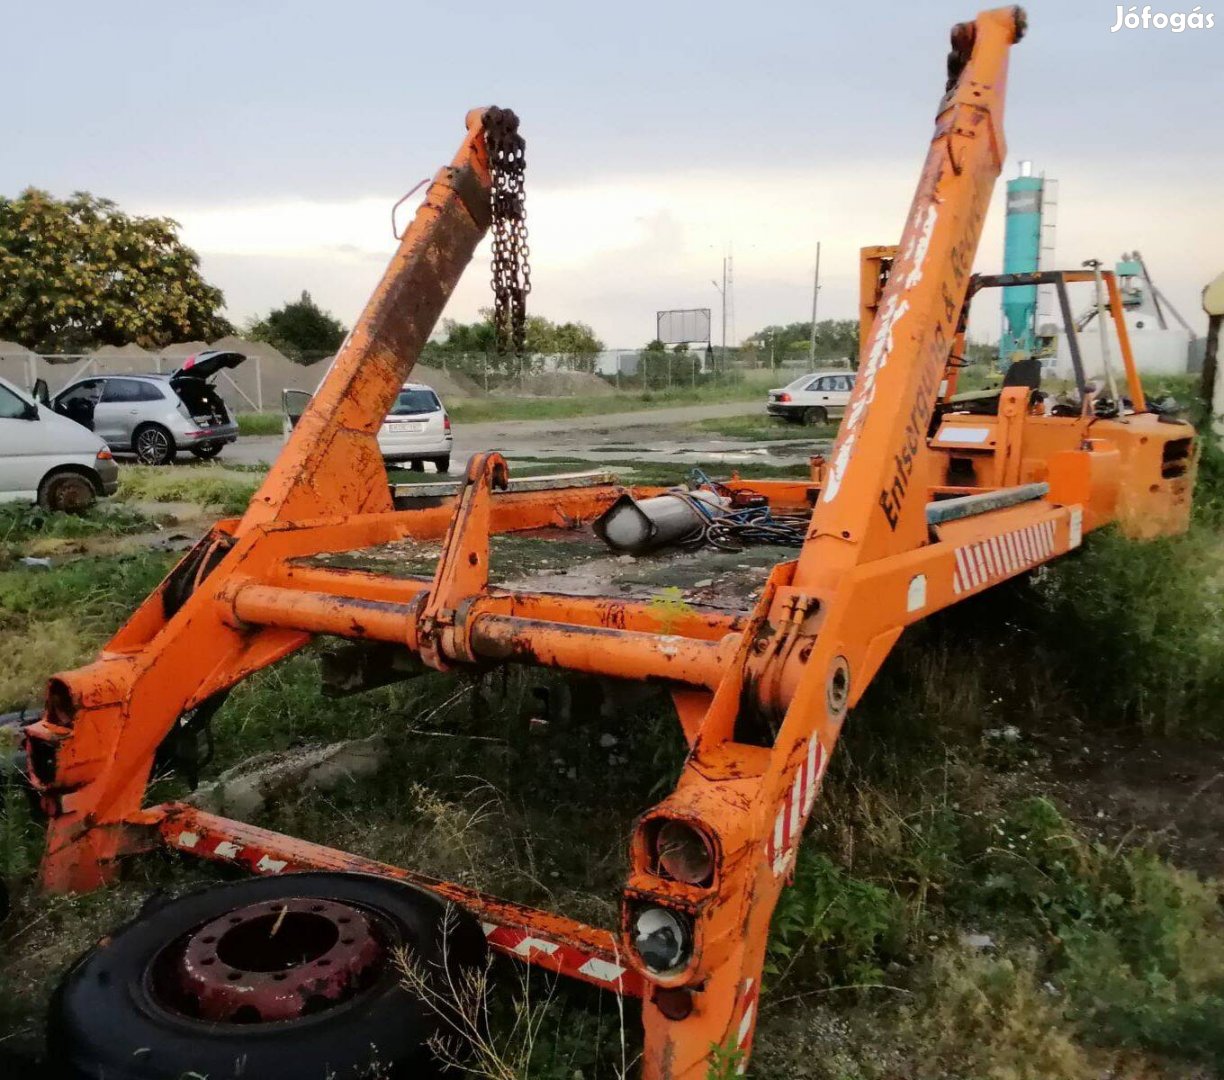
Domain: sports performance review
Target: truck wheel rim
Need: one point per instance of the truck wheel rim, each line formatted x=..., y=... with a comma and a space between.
x=273, y=961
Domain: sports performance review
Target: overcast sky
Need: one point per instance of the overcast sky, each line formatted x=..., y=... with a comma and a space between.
x=660, y=136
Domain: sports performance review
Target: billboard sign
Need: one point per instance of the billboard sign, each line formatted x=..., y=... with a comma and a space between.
x=683, y=325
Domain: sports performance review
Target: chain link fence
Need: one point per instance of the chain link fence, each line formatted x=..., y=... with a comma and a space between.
x=256, y=385
x=621, y=369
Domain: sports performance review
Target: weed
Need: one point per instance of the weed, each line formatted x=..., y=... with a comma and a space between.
x=19, y=838
x=670, y=607
x=260, y=423
x=990, y=1018
x=725, y=1062
x=55, y=619
x=19, y=522
x=1141, y=944
x=1134, y=630
x=831, y=928
x=460, y=999
x=210, y=485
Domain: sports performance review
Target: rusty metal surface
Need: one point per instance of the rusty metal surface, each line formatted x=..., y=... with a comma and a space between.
x=623, y=654
x=276, y=960
x=332, y=463
x=540, y=938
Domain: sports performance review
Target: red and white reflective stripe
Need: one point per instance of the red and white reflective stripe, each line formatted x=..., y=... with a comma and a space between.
x=747, y=1021
x=997, y=557
x=527, y=945
x=566, y=959
x=217, y=847
x=796, y=806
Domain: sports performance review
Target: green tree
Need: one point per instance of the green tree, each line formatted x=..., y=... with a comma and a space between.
x=574, y=342
x=300, y=329
x=836, y=339
x=660, y=366
x=79, y=272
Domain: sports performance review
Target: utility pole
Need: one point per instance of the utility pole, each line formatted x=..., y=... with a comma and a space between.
x=815, y=297
x=722, y=291
x=1213, y=385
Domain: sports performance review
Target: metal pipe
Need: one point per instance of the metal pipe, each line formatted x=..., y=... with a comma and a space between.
x=937, y=513
x=815, y=299
x=1077, y=363
x=322, y=613
x=596, y=650
x=621, y=654
x=1106, y=359
x=1130, y=368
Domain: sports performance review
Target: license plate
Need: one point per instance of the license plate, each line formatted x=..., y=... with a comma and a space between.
x=407, y=425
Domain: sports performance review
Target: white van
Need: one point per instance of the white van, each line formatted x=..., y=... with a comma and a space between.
x=49, y=459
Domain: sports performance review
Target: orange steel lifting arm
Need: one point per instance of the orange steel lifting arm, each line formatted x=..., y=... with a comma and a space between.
x=826, y=623
x=104, y=723
x=332, y=464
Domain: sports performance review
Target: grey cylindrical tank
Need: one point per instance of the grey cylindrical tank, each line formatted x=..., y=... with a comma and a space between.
x=639, y=525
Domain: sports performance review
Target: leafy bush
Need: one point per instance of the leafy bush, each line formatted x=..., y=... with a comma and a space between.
x=1134, y=630
x=833, y=928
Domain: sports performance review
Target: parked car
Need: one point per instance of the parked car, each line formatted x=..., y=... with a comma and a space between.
x=416, y=430
x=815, y=398
x=46, y=458
x=155, y=416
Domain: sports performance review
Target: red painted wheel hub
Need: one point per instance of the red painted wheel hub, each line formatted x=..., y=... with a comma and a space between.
x=279, y=960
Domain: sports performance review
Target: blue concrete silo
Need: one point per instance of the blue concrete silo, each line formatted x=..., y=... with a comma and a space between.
x=1021, y=255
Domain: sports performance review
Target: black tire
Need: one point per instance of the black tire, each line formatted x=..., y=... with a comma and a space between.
x=67, y=491
x=417, y=465
x=114, y=1015
x=153, y=445
x=817, y=414
x=207, y=453
x=442, y=464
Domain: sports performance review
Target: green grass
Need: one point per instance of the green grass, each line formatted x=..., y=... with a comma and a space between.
x=260, y=423
x=20, y=523
x=761, y=427
x=476, y=410
x=929, y=827
x=209, y=485
x=56, y=619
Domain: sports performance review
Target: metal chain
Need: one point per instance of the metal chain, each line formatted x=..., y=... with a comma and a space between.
x=511, y=270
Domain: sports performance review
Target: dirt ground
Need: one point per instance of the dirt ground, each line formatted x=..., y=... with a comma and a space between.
x=652, y=435
x=1164, y=792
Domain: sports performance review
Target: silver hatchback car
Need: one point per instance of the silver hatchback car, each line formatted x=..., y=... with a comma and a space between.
x=155, y=416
